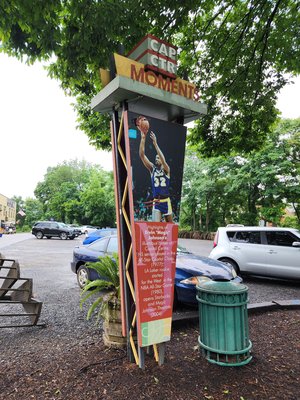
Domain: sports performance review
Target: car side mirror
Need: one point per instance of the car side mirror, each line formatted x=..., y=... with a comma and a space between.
x=296, y=244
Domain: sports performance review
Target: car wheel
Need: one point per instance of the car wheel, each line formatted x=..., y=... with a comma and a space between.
x=232, y=263
x=63, y=236
x=39, y=235
x=82, y=276
x=72, y=237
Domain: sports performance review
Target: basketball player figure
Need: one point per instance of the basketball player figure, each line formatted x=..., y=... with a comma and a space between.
x=159, y=172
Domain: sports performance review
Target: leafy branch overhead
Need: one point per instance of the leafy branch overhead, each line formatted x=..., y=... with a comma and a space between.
x=238, y=54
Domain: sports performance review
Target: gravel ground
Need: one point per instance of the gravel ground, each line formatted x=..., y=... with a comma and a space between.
x=67, y=337
x=47, y=262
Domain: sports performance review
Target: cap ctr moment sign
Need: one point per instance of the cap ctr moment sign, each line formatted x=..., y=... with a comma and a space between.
x=147, y=80
x=157, y=55
x=144, y=86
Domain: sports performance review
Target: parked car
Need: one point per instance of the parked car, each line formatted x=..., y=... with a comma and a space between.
x=263, y=251
x=190, y=268
x=86, y=229
x=76, y=229
x=9, y=229
x=51, y=229
x=99, y=233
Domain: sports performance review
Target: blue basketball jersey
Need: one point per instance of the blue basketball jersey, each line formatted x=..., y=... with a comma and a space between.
x=160, y=183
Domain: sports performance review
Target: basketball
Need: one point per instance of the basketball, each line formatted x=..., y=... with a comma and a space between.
x=144, y=126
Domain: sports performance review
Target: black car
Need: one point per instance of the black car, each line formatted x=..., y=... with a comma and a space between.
x=51, y=229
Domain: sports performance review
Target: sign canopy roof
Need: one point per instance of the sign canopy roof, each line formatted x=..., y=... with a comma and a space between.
x=145, y=99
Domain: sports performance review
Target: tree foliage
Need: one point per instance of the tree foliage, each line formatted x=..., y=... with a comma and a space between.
x=77, y=192
x=207, y=197
x=219, y=190
x=34, y=211
x=236, y=52
x=98, y=200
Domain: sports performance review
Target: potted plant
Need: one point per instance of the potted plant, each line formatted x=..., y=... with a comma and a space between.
x=107, y=304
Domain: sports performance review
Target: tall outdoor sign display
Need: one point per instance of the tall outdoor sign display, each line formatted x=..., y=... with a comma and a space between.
x=149, y=105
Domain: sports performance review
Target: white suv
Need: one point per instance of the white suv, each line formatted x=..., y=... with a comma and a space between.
x=272, y=252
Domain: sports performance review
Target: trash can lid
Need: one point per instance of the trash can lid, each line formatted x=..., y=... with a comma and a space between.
x=221, y=287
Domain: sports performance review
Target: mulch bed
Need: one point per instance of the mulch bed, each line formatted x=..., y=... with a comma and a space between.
x=83, y=368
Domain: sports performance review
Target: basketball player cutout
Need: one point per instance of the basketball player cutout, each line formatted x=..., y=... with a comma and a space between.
x=159, y=172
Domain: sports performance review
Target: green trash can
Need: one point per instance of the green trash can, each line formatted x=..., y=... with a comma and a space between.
x=223, y=320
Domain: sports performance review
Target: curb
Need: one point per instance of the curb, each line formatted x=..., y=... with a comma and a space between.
x=252, y=309
x=273, y=305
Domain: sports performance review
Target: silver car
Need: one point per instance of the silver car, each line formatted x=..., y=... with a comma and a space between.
x=263, y=251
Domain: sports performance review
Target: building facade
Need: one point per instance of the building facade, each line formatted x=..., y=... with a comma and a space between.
x=8, y=210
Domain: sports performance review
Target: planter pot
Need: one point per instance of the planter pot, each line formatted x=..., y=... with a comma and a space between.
x=112, y=325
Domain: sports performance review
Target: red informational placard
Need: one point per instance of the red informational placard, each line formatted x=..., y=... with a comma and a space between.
x=154, y=270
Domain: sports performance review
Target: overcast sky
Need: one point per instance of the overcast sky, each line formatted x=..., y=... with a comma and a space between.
x=38, y=127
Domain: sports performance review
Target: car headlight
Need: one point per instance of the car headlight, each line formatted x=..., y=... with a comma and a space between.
x=194, y=280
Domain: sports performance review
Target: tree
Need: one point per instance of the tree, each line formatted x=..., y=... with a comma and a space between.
x=97, y=200
x=236, y=52
x=208, y=201
x=61, y=184
x=34, y=211
x=77, y=192
x=245, y=189
x=289, y=132
x=276, y=170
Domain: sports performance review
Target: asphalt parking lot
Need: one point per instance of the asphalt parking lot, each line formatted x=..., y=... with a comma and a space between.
x=48, y=263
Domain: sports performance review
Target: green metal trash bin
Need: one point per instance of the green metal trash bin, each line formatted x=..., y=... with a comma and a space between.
x=223, y=319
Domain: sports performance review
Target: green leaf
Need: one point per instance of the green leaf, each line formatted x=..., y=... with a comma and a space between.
x=107, y=268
